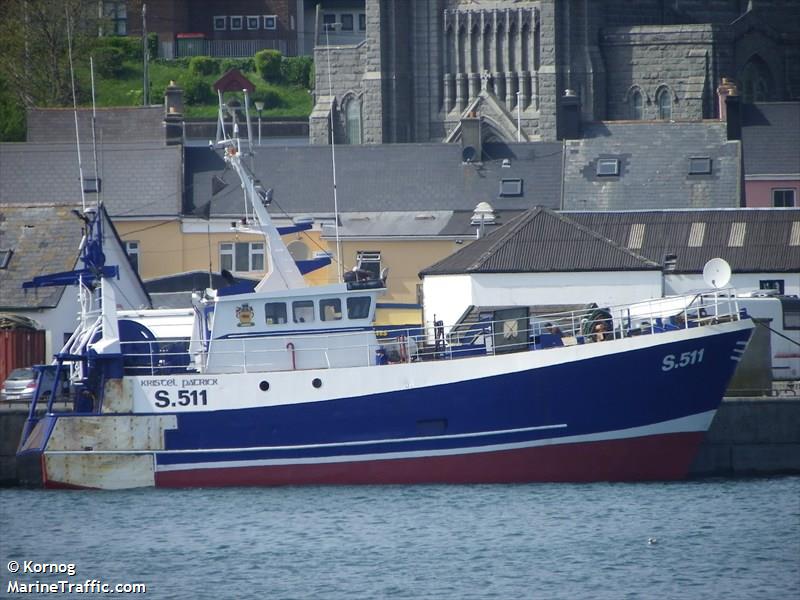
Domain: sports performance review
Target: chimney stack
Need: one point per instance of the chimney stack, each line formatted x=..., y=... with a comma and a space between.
x=569, y=126
x=730, y=108
x=471, y=137
x=173, y=114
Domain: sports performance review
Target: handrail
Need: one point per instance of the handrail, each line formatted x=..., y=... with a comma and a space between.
x=536, y=332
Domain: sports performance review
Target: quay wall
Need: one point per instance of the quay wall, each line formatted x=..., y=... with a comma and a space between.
x=749, y=436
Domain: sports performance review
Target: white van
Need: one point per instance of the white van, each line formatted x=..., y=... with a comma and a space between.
x=784, y=312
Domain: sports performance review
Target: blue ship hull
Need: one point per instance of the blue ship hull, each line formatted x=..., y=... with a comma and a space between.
x=630, y=414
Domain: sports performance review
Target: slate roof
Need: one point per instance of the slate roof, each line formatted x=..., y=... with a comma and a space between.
x=137, y=179
x=541, y=240
x=771, y=138
x=696, y=236
x=45, y=238
x=117, y=124
x=654, y=166
x=379, y=178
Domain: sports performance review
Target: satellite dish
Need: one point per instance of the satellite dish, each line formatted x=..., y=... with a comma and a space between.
x=468, y=154
x=717, y=273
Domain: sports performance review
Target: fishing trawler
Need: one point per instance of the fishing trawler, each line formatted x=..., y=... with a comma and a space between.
x=288, y=384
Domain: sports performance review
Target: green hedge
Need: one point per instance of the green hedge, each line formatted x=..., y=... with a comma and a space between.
x=268, y=65
x=203, y=65
x=297, y=70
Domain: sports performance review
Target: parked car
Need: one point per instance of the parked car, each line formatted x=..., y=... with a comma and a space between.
x=21, y=384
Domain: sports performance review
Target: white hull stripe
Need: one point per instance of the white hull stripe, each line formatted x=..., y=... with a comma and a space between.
x=693, y=423
x=332, y=445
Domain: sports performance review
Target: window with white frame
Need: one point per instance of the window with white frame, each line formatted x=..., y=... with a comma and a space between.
x=784, y=198
x=254, y=22
x=241, y=257
x=270, y=22
x=237, y=23
x=220, y=23
x=132, y=250
x=347, y=22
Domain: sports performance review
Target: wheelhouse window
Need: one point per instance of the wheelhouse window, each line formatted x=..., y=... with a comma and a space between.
x=330, y=309
x=270, y=22
x=237, y=22
x=347, y=22
x=241, y=257
x=358, y=307
x=328, y=22
x=253, y=22
x=362, y=22
x=220, y=23
x=275, y=313
x=303, y=311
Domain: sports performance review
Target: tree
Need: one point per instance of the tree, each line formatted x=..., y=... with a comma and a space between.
x=34, y=60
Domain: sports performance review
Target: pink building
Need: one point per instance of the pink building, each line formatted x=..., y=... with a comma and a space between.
x=771, y=152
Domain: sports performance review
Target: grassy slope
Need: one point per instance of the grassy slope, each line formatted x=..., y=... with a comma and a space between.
x=126, y=91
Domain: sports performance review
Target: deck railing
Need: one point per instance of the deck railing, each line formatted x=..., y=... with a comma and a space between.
x=535, y=332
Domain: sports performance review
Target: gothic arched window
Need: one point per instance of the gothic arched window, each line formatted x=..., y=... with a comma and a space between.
x=636, y=105
x=756, y=81
x=664, y=102
x=352, y=116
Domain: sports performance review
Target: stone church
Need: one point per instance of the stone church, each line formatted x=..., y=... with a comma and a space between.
x=424, y=65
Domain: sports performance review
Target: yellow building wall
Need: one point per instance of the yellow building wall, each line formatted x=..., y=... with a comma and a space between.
x=164, y=250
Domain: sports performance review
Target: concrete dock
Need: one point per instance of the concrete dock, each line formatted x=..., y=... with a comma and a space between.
x=749, y=436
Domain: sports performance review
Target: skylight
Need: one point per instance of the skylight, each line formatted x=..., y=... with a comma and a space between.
x=607, y=167
x=700, y=165
x=510, y=187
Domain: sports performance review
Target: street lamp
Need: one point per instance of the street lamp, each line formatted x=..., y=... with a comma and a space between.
x=259, y=108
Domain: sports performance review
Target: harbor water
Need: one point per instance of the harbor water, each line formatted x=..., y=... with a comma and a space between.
x=715, y=538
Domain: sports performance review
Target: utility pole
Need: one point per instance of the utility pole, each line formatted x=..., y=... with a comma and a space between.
x=145, y=52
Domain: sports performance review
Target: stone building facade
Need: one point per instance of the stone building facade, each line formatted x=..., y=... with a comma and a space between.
x=425, y=64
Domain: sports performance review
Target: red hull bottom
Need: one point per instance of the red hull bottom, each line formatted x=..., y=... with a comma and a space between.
x=659, y=457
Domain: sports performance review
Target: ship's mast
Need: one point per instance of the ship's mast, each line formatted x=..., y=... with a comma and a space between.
x=281, y=270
